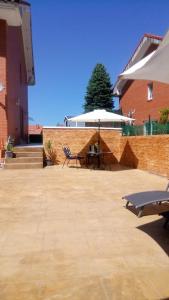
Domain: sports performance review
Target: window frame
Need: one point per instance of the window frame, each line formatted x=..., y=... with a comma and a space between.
x=150, y=94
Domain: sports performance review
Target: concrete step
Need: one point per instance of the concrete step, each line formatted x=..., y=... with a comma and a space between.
x=28, y=149
x=23, y=160
x=25, y=157
x=23, y=166
x=28, y=154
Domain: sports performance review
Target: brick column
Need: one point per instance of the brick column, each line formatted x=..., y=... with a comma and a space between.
x=3, y=76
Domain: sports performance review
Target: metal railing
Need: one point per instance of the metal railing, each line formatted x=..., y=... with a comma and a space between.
x=158, y=128
x=152, y=128
x=131, y=130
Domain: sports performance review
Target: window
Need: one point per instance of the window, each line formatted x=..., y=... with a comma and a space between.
x=150, y=91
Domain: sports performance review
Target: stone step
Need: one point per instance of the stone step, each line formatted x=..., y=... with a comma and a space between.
x=23, y=160
x=25, y=157
x=28, y=149
x=28, y=154
x=23, y=166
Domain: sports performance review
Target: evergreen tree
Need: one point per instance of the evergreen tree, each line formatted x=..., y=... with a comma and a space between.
x=99, y=93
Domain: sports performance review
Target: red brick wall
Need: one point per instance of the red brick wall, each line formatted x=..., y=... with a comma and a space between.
x=150, y=153
x=136, y=98
x=3, y=80
x=14, y=98
x=17, y=96
x=79, y=140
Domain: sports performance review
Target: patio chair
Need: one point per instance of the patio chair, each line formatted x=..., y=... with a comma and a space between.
x=139, y=200
x=69, y=156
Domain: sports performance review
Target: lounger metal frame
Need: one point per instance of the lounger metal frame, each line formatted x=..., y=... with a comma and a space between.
x=139, y=200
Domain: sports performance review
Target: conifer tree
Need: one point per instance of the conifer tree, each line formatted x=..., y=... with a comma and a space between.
x=99, y=92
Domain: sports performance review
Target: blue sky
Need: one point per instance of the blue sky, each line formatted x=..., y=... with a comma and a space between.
x=71, y=36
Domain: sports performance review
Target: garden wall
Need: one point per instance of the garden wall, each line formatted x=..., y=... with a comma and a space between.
x=79, y=140
x=149, y=153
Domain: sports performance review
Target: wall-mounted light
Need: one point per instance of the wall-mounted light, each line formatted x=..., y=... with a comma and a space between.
x=1, y=87
x=18, y=102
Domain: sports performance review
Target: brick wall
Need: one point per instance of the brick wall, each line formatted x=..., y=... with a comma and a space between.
x=14, y=98
x=135, y=98
x=79, y=140
x=149, y=153
x=3, y=80
x=17, y=97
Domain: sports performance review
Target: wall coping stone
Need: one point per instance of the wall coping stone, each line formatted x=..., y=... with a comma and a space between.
x=83, y=128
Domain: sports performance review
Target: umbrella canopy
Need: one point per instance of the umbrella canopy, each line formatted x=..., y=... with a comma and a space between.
x=153, y=67
x=100, y=115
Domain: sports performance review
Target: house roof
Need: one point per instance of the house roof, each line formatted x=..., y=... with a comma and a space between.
x=16, y=1
x=147, y=44
x=35, y=129
x=25, y=10
x=18, y=13
x=153, y=36
x=66, y=118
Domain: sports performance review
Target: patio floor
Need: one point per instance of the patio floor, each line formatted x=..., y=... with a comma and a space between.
x=65, y=234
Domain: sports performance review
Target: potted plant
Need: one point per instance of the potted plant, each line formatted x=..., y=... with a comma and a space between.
x=9, y=151
x=50, y=154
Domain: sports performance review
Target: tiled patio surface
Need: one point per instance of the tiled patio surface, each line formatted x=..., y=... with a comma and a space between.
x=65, y=234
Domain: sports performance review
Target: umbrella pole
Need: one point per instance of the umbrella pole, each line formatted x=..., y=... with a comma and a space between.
x=99, y=136
x=99, y=145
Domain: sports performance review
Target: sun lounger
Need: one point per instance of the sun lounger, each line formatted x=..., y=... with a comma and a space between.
x=139, y=200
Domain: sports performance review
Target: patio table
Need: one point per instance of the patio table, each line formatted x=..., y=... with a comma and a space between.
x=91, y=155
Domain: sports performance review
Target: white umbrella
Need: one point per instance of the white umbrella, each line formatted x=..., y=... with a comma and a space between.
x=100, y=115
x=153, y=67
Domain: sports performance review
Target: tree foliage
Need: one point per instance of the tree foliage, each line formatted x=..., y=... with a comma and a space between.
x=164, y=115
x=99, y=92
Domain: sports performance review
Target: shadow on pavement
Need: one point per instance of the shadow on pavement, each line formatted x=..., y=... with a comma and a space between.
x=156, y=231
